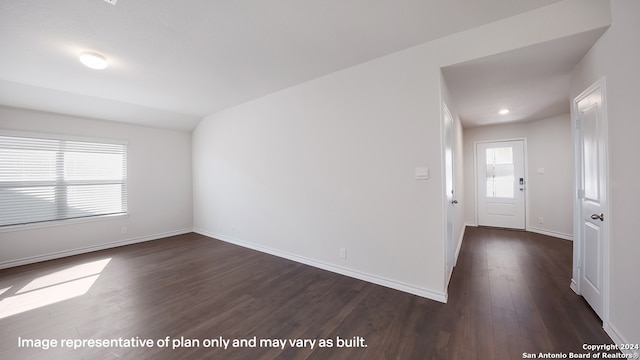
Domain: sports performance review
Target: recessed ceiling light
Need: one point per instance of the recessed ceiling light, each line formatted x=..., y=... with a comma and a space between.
x=503, y=112
x=93, y=60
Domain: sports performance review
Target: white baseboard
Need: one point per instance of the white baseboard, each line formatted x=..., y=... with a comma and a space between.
x=455, y=258
x=472, y=224
x=550, y=233
x=393, y=284
x=464, y=228
x=618, y=339
x=574, y=286
x=65, y=253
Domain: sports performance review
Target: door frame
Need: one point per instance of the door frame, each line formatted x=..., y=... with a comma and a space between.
x=526, y=176
x=577, y=204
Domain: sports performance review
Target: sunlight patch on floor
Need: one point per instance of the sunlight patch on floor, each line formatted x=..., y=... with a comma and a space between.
x=65, y=275
x=55, y=287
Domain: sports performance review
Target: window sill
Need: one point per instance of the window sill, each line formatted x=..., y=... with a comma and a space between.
x=53, y=223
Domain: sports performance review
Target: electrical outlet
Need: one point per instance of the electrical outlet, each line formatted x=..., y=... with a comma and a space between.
x=123, y=231
x=540, y=220
x=343, y=253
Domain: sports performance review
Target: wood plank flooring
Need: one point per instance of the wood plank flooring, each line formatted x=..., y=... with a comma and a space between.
x=509, y=294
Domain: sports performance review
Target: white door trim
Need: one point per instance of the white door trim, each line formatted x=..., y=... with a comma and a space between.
x=577, y=207
x=475, y=176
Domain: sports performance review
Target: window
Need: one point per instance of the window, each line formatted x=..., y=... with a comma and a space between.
x=500, y=172
x=49, y=177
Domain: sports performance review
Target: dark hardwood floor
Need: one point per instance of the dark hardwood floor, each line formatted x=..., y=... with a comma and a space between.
x=509, y=294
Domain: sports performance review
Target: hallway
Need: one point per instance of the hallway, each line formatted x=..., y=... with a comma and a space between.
x=511, y=295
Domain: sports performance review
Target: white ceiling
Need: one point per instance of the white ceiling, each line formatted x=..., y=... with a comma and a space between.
x=173, y=62
x=532, y=82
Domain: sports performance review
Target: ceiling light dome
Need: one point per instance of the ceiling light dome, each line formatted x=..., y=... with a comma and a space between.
x=503, y=112
x=93, y=60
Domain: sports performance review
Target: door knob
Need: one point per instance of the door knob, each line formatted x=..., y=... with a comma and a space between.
x=596, y=217
x=454, y=202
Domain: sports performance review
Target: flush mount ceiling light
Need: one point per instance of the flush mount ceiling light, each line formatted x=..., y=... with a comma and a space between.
x=503, y=112
x=93, y=60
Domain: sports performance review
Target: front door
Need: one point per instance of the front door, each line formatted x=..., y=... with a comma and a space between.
x=501, y=184
x=590, y=123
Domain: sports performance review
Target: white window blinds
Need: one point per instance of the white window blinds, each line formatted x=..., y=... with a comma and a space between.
x=45, y=178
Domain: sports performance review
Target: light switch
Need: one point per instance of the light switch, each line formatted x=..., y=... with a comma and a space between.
x=422, y=173
x=540, y=171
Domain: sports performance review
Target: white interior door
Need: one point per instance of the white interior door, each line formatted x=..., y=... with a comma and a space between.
x=592, y=192
x=501, y=184
x=449, y=190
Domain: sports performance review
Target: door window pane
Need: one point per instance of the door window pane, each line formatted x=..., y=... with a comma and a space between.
x=500, y=173
x=503, y=156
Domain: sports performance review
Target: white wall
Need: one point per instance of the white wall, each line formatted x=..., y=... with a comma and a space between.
x=329, y=164
x=616, y=56
x=549, y=146
x=159, y=189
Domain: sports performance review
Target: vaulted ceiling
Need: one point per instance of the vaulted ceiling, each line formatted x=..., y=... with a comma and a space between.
x=173, y=62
